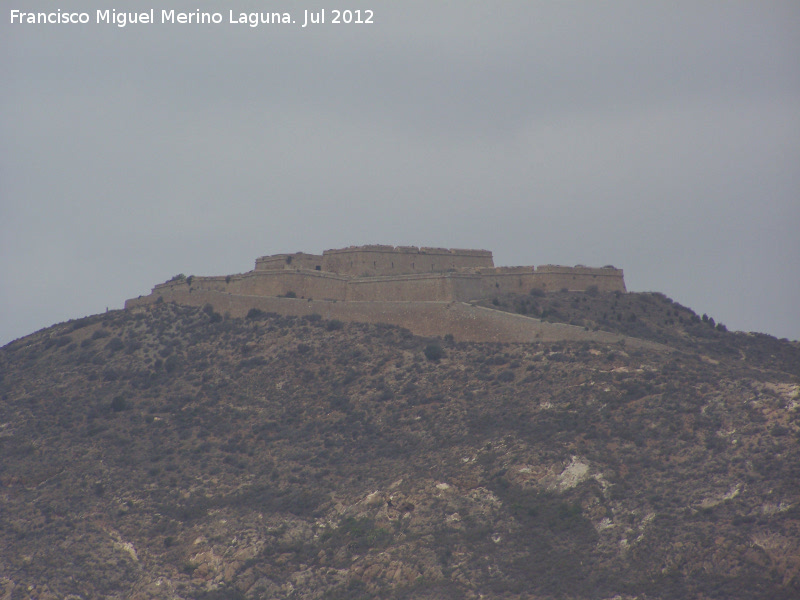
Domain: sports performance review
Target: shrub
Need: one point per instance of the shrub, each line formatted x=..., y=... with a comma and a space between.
x=433, y=352
x=341, y=403
x=290, y=294
x=209, y=310
x=779, y=431
x=498, y=359
x=115, y=345
x=537, y=292
x=118, y=404
x=334, y=324
x=592, y=290
x=255, y=314
x=506, y=376
x=171, y=364
x=62, y=341
x=81, y=323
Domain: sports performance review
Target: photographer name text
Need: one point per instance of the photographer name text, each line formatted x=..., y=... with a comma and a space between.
x=197, y=17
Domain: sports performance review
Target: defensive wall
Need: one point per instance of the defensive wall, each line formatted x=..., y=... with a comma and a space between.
x=439, y=287
x=377, y=260
x=465, y=322
x=298, y=260
x=378, y=281
x=549, y=278
x=403, y=273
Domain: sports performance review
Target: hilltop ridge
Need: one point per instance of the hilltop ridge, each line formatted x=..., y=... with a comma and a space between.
x=430, y=291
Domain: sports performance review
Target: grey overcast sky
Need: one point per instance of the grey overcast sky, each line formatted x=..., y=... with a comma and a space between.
x=661, y=137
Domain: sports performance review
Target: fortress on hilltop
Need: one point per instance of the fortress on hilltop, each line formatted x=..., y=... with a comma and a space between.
x=419, y=288
x=402, y=273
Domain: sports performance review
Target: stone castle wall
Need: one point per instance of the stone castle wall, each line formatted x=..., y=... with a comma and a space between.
x=549, y=278
x=300, y=282
x=388, y=273
x=435, y=287
x=381, y=283
x=466, y=323
x=298, y=260
x=372, y=261
x=553, y=278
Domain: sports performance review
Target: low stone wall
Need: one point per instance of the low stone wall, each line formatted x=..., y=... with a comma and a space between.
x=463, y=321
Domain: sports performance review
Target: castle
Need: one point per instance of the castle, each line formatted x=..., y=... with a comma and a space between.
x=403, y=273
x=424, y=289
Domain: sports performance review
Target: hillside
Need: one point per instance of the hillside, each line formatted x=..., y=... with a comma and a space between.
x=654, y=317
x=173, y=452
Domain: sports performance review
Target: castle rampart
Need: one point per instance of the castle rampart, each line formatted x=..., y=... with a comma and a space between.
x=302, y=283
x=387, y=273
x=430, y=287
x=551, y=278
x=383, y=276
x=373, y=261
x=465, y=322
x=298, y=260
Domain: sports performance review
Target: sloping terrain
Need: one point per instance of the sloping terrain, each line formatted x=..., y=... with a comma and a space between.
x=171, y=452
x=655, y=317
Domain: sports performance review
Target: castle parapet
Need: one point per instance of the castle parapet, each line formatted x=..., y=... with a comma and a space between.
x=378, y=260
x=579, y=278
x=390, y=274
x=505, y=270
x=607, y=271
x=298, y=260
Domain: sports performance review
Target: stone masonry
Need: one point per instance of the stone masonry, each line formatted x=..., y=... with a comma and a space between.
x=419, y=288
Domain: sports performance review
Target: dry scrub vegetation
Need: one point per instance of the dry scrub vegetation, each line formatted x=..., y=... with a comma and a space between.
x=172, y=452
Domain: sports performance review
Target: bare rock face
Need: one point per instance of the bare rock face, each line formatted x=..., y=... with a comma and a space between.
x=174, y=452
